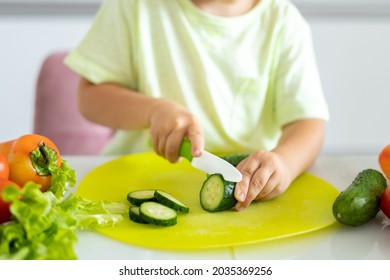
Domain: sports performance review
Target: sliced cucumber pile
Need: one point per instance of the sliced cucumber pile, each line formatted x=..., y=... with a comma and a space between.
x=154, y=206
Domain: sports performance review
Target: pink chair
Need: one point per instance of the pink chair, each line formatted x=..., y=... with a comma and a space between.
x=56, y=115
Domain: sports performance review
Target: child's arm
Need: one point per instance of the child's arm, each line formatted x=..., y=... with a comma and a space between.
x=120, y=108
x=268, y=174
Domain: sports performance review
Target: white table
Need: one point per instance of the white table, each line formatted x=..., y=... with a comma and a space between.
x=368, y=242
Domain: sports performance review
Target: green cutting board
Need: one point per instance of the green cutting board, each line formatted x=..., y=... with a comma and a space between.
x=305, y=207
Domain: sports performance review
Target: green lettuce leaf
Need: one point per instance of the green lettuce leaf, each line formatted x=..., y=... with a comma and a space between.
x=61, y=179
x=90, y=214
x=45, y=226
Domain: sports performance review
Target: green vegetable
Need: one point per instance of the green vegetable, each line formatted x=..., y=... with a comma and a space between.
x=217, y=194
x=235, y=159
x=61, y=179
x=135, y=216
x=158, y=214
x=359, y=202
x=139, y=196
x=152, y=212
x=45, y=226
x=185, y=149
x=170, y=201
x=89, y=214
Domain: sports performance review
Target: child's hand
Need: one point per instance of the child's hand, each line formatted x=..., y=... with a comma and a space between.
x=265, y=176
x=170, y=122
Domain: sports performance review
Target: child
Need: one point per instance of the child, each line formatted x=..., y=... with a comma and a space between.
x=233, y=76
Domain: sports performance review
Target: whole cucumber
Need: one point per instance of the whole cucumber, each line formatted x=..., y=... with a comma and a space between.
x=359, y=202
x=217, y=194
x=235, y=159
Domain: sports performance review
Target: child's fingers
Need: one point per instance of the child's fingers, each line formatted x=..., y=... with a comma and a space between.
x=161, y=145
x=255, y=177
x=276, y=191
x=195, y=135
x=258, y=184
x=272, y=184
x=172, y=145
x=155, y=142
x=241, y=188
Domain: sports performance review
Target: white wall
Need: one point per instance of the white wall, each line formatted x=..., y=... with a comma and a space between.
x=25, y=42
x=354, y=60
x=352, y=51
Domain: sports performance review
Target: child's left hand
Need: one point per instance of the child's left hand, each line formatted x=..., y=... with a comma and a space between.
x=265, y=176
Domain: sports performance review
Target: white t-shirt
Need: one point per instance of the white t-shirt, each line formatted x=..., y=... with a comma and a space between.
x=244, y=77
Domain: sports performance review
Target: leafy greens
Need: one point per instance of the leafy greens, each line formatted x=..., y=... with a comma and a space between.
x=45, y=224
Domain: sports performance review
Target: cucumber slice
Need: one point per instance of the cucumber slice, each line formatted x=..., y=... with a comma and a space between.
x=135, y=216
x=217, y=194
x=158, y=214
x=170, y=201
x=140, y=196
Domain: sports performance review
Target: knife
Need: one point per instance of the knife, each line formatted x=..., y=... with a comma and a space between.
x=210, y=163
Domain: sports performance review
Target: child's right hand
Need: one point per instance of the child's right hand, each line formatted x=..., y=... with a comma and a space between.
x=169, y=123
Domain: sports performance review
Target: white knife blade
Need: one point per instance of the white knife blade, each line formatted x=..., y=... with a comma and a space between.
x=212, y=164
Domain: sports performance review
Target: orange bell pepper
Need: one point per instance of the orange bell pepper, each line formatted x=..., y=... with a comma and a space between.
x=30, y=158
x=4, y=167
x=384, y=161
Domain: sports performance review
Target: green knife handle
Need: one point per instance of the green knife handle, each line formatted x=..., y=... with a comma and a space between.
x=185, y=149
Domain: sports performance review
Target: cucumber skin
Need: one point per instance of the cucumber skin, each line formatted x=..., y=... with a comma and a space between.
x=228, y=200
x=165, y=201
x=134, y=216
x=235, y=159
x=359, y=202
